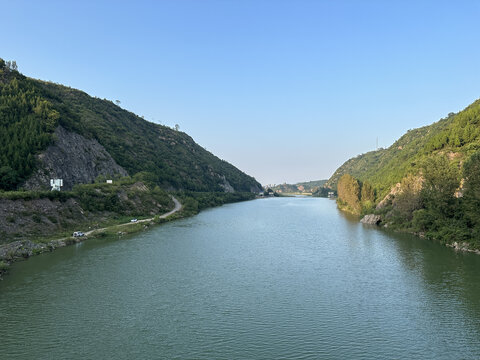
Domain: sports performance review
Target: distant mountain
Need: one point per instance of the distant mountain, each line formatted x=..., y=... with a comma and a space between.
x=299, y=188
x=53, y=131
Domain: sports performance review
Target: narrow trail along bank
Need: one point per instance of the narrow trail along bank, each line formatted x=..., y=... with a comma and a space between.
x=23, y=249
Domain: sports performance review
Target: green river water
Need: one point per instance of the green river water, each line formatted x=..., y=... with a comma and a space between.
x=280, y=278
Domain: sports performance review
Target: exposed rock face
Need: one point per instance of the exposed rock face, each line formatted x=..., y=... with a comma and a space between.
x=75, y=159
x=371, y=219
x=226, y=185
x=390, y=196
x=410, y=184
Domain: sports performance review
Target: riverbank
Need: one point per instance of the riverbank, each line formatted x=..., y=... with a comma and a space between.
x=378, y=221
x=23, y=249
x=190, y=203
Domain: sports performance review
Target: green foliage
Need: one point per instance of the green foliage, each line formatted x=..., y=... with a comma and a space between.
x=463, y=129
x=471, y=196
x=348, y=189
x=299, y=188
x=435, y=210
x=32, y=195
x=354, y=196
x=196, y=201
x=441, y=180
x=27, y=122
x=323, y=191
x=4, y=267
x=407, y=200
x=123, y=197
x=368, y=194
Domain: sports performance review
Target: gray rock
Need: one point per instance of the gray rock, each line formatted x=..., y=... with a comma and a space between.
x=371, y=219
x=75, y=159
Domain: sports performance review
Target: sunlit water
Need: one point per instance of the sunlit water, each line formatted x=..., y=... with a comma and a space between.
x=286, y=278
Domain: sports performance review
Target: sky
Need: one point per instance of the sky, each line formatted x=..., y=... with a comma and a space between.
x=285, y=90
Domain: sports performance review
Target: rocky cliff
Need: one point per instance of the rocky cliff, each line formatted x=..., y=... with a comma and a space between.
x=74, y=159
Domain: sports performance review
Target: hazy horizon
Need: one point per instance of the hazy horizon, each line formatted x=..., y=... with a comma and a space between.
x=286, y=91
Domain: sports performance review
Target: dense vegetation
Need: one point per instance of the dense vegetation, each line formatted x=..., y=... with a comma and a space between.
x=30, y=110
x=27, y=122
x=427, y=182
x=193, y=202
x=355, y=196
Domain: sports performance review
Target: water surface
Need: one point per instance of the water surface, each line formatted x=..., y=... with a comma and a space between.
x=281, y=278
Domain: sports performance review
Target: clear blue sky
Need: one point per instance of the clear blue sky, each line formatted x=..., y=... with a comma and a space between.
x=285, y=90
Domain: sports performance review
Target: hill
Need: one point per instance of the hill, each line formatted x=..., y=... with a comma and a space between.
x=426, y=182
x=307, y=187
x=49, y=130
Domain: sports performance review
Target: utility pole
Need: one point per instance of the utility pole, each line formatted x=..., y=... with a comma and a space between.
x=376, y=148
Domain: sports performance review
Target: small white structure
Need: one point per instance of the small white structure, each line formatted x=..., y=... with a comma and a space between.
x=109, y=181
x=56, y=184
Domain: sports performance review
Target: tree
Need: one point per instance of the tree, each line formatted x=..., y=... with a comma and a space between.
x=407, y=200
x=348, y=190
x=441, y=181
x=471, y=196
x=177, y=127
x=368, y=194
x=8, y=178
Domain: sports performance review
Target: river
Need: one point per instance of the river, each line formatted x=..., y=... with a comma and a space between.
x=280, y=278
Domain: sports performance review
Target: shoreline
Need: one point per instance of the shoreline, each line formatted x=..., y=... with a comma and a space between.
x=376, y=222
x=21, y=250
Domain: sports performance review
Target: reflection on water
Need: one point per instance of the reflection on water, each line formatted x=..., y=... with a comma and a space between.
x=284, y=278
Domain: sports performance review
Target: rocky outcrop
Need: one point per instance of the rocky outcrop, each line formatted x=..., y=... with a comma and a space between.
x=463, y=246
x=371, y=219
x=410, y=185
x=75, y=159
x=226, y=185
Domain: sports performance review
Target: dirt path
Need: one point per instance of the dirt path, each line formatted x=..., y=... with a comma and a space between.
x=178, y=207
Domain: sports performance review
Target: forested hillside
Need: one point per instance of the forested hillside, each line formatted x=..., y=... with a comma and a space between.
x=27, y=122
x=31, y=110
x=300, y=188
x=426, y=182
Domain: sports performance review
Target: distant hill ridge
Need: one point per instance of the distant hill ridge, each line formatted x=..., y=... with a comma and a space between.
x=301, y=187
x=49, y=130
